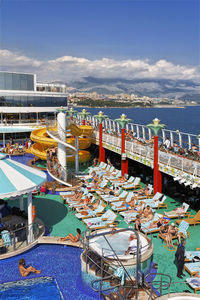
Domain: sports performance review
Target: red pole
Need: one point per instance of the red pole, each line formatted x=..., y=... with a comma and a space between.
x=124, y=163
x=101, y=149
x=83, y=121
x=157, y=174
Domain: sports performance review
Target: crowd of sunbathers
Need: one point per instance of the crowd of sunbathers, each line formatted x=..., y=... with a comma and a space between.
x=190, y=151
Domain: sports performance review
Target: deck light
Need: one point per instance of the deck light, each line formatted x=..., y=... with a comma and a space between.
x=156, y=127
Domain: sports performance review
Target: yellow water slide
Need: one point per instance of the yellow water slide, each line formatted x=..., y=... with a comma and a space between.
x=43, y=142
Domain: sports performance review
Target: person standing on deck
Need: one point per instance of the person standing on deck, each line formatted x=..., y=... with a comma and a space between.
x=180, y=258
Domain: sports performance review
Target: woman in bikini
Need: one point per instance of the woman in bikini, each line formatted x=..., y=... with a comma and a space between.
x=25, y=271
x=71, y=237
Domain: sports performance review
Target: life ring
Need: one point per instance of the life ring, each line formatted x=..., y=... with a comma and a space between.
x=33, y=213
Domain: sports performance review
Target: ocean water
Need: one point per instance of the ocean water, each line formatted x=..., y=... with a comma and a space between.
x=184, y=119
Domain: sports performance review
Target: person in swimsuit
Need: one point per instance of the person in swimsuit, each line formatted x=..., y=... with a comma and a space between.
x=25, y=271
x=71, y=237
x=157, y=224
x=163, y=231
x=137, y=223
x=172, y=231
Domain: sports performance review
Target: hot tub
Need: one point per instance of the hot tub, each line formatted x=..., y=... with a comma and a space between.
x=120, y=243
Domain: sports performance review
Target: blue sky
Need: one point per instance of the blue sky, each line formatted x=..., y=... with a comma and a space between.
x=94, y=29
x=120, y=30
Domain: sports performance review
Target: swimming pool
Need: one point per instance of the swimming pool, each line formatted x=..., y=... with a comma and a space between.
x=33, y=289
x=59, y=262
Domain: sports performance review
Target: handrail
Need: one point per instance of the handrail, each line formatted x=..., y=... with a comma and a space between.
x=159, y=283
x=66, y=174
x=88, y=237
x=26, y=229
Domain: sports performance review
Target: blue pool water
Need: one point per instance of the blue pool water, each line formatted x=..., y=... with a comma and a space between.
x=32, y=289
x=56, y=261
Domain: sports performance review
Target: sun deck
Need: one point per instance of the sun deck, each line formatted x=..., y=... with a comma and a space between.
x=61, y=221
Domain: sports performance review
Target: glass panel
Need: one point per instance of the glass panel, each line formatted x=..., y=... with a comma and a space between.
x=16, y=82
x=8, y=81
x=2, y=81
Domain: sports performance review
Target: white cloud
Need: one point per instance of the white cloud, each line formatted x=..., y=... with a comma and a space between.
x=70, y=68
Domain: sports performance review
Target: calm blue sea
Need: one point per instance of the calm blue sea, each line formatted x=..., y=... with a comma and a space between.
x=185, y=119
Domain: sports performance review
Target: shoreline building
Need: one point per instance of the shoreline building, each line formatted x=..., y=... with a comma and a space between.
x=22, y=89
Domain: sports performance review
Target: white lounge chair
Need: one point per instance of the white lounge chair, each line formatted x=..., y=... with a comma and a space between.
x=108, y=218
x=134, y=185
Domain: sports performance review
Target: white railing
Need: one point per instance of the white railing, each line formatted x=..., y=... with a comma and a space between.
x=168, y=160
x=182, y=139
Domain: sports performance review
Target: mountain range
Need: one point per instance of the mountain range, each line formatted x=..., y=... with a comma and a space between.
x=159, y=88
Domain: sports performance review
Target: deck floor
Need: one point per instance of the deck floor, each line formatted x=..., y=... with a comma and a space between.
x=61, y=221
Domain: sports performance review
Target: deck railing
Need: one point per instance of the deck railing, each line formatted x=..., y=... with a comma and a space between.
x=15, y=240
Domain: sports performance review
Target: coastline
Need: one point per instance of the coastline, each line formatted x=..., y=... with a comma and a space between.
x=138, y=106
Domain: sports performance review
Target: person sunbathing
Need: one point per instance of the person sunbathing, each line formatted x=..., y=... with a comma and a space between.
x=178, y=210
x=85, y=202
x=147, y=214
x=25, y=271
x=157, y=224
x=163, y=231
x=91, y=206
x=71, y=237
x=128, y=205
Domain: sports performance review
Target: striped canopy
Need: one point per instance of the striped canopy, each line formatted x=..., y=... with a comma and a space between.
x=18, y=179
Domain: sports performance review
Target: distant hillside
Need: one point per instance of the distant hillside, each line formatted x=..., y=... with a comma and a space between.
x=179, y=89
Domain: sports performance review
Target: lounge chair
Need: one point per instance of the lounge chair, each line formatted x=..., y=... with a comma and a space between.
x=103, y=184
x=156, y=197
x=144, y=226
x=174, y=215
x=108, y=218
x=129, y=181
x=182, y=231
x=121, y=197
x=130, y=214
x=5, y=235
x=134, y=185
x=116, y=205
x=153, y=203
x=114, y=176
x=194, y=283
x=192, y=268
x=194, y=220
x=191, y=254
x=101, y=166
x=91, y=213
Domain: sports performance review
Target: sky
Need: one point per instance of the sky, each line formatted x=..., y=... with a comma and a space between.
x=69, y=39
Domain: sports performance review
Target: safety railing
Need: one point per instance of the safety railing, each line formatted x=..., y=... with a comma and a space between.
x=168, y=159
x=19, y=238
x=127, y=287
x=57, y=171
x=139, y=131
